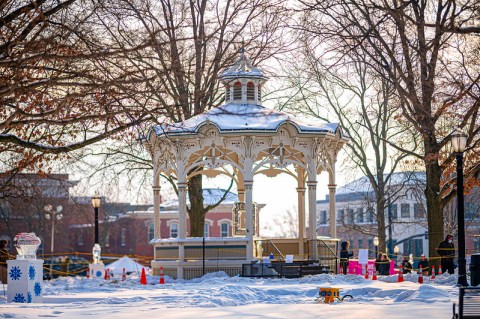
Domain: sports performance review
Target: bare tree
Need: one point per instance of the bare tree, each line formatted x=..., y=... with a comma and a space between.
x=417, y=46
x=202, y=39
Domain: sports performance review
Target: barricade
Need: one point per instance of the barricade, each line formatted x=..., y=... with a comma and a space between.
x=162, y=276
x=400, y=274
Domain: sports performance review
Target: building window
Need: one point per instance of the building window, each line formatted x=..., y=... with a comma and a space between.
x=341, y=216
x=259, y=93
x=123, y=237
x=237, y=91
x=350, y=216
x=206, y=230
x=418, y=210
x=360, y=215
x=224, y=229
x=80, y=239
x=360, y=244
x=394, y=211
x=370, y=215
x=151, y=231
x=405, y=210
x=250, y=91
x=476, y=244
x=371, y=251
x=174, y=230
x=323, y=217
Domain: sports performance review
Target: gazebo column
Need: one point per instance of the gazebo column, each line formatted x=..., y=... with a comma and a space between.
x=332, y=215
x=156, y=210
x=312, y=217
x=249, y=218
x=182, y=223
x=301, y=211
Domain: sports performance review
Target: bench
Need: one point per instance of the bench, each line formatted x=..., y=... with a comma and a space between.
x=468, y=303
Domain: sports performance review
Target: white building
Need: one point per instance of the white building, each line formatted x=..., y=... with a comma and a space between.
x=405, y=218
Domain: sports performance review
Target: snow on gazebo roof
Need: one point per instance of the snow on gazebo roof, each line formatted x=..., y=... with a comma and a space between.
x=235, y=118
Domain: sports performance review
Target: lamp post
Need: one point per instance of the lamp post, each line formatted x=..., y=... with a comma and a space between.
x=375, y=243
x=459, y=142
x=52, y=214
x=96, y=201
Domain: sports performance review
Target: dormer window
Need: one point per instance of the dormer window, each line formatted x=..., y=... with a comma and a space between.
x=227, y=93
x=237, y=91
x=250, y=91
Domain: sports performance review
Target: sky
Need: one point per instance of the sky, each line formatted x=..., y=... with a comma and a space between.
x=218, y=296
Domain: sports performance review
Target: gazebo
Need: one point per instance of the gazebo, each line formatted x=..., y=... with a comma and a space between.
x=240, y=139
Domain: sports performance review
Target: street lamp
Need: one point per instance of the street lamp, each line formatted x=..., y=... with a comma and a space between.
x=396, y=250
x=459, y=142
x=96, y=201
x=375, y=243
x=52, y=214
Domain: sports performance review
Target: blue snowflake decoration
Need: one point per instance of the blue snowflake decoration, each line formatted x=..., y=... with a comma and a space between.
x=29, y=297
x=19, y=298
x=98, y=273
x=15, y=273
x=31, y=273
x=37, y=289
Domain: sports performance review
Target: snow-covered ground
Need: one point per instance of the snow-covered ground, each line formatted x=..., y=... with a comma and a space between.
x=219, y=296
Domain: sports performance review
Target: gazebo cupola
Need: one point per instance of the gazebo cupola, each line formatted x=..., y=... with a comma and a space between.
x=243, y=82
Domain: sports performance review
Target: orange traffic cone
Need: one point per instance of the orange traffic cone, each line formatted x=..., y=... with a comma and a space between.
x=440, y=270
x=143, y=277
x=433, y=273
x=400, y=274
x=420, y=275
x=124, y=275
x=88, y=274
x=162, y=276
x=366, y=271
x=107, y=274
x=374, y=276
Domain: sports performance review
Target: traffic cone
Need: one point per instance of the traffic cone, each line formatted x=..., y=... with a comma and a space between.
x=400, y=274
x=143, y=277
x=440, y=270
x=88, y=274
x=433, y=273
x=162, y=276
x=124, y=275
x=420, y=275
x=366, y=271
x=374, y=276
x=107, y=274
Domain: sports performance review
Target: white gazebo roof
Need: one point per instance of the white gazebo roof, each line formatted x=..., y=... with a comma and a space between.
x=238, y=118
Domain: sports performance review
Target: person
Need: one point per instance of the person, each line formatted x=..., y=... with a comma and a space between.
x=424, y=263
x=4, y=256
x=378, y=262
x=345, y=256
x=446, y=251
x=384, y=267
x=406, y=265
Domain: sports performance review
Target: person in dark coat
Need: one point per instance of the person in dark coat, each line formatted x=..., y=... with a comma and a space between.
x=446, y=250
x=378, y=262
x=406, y=265
x=345, y=256
x=4, y=256
x=384, y=267
x=424, y=263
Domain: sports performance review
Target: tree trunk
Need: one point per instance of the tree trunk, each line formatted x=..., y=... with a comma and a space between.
x=196, y=212
x=434, y=207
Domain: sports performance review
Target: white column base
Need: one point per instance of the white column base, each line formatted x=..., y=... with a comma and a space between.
x=96, y=270
x=25, y=280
